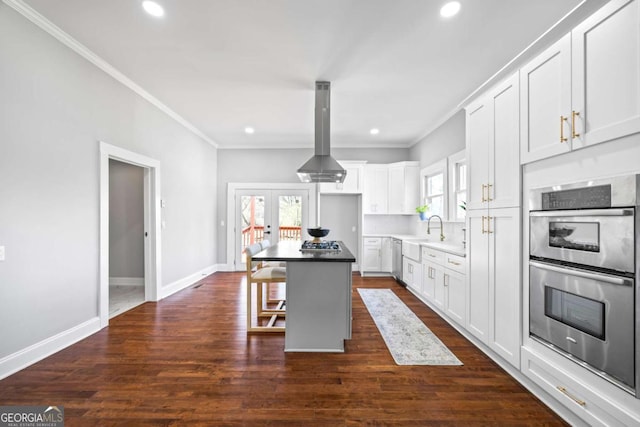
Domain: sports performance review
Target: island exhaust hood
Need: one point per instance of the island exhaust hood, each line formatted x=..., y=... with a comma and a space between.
x=322, y=167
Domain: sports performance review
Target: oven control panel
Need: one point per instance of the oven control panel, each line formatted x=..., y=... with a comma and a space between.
x=594, y=197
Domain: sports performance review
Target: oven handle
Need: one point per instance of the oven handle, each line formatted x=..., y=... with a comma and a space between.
x=584, y=274
x=587, y=212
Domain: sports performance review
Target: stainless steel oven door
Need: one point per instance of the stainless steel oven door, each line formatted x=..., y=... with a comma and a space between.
x=588, y=315
x=596, y=237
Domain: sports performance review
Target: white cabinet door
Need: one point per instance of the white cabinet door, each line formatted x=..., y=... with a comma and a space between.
x=546, y=103
x=478, y=153
x=503, y=186
x=404, y=188
x=606, y=74
x=411, y=274
x=504, y=284
x=429, y=277
x=396, y=192
x=353, y=182
x=478, y=274
x=376, y=189
x=371, y=259
x=386, y=255
x=439, y=291
x=455, y=301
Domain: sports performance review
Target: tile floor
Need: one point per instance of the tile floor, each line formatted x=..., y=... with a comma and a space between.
x=124, y=298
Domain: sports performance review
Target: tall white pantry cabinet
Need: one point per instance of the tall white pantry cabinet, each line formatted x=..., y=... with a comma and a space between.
x=493, y=220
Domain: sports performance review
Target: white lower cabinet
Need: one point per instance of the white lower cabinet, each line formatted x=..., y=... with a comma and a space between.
x=577, y=395
x=494, y=280
x=412, y=274
x=386, y=255
x=443, y=283
x=376, y=255
x=372, y=254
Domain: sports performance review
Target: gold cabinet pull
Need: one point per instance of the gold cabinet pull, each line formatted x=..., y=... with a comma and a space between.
x=489, y=192
x=562, y=137
x=489, y=218
x=564, y=391
x=483, y=230
x=453, y=262
x=574, y=114
x=483, y=198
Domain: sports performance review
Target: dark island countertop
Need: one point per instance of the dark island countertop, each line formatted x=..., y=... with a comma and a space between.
x=289, y=250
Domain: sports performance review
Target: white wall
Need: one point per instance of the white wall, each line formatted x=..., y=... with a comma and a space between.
x=126, y=220
x=54, y=108
x=447, y=139
x=279, y=166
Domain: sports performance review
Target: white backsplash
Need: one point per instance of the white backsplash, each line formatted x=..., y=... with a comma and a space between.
x=389, y=224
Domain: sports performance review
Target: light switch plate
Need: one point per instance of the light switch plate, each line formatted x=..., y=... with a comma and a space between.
x=1, y=253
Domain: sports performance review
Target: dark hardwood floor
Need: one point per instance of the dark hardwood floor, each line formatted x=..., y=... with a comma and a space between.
x=188, y=361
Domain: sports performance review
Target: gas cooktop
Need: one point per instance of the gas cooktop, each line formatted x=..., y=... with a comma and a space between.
x=322, y=245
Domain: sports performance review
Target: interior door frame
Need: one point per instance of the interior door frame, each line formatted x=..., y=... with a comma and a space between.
x=152, y=223
x=232, y=189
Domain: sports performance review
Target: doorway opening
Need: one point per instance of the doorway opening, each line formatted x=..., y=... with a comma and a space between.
x=274, y=212
x=147, y=275
x=126, y=237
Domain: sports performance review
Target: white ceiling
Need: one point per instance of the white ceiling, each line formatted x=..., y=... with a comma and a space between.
x=223, y=65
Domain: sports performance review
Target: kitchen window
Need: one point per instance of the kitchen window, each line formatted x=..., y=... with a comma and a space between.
x=457, y=165
x=434, y=186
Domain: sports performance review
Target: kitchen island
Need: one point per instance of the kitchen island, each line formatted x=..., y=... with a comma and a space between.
x=318, y=295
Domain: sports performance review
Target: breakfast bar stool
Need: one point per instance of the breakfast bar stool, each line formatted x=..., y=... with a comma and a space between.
x=260, y=274
x=265, y=244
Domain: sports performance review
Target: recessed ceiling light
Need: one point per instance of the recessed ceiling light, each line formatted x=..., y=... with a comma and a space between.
x=153, y=8
x=374, y=131
x=450, y=9
x=249, y=130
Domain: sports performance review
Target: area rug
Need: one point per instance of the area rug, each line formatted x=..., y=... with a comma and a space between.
x=408, y=339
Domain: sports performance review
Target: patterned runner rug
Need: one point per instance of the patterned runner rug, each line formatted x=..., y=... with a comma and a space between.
x=408, y=339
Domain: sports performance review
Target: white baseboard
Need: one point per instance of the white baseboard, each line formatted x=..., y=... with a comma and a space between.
x=185, y=282
x=34, y=353
x=225, y=267
x=126, y=281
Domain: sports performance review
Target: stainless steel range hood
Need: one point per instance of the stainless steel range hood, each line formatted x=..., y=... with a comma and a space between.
x=322, y=167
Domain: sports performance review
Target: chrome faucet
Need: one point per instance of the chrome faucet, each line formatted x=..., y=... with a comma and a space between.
x=429, y=226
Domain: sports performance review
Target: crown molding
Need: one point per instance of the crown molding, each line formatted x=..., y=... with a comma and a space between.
x=73, y=44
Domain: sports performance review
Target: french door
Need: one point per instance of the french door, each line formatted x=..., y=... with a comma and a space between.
x=268, y=214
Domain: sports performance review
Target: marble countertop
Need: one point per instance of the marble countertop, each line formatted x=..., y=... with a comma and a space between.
x=290, y=251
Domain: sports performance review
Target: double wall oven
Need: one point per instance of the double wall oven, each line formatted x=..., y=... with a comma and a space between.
x=583, y=273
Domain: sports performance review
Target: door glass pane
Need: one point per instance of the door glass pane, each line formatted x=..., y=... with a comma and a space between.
x=290, y=217
x=582, y=236
x=584, y=314
x=252, y=221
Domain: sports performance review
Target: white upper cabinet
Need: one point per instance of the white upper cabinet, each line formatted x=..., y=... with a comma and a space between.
x=585, y=89
x=605, y=63
x=404, y=187
x=391, y=188
x=353, y=182
x=545, y=102
x=375, y=197
x=478, y=148
x=493, y=148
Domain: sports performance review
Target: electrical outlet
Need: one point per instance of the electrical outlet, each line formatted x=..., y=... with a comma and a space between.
x=1, y=253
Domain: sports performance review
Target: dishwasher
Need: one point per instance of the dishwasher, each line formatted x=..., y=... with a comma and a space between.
x=396, y=265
